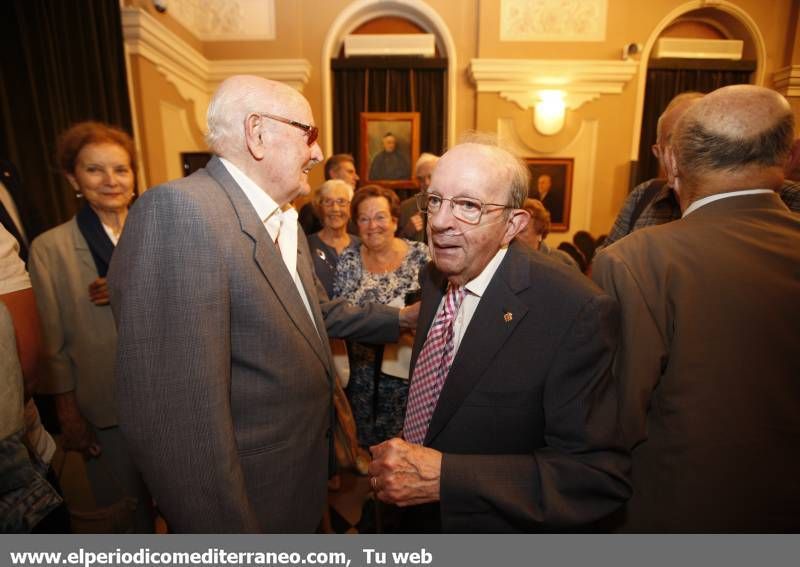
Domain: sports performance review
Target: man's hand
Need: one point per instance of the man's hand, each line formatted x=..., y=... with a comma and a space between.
x=415, y=222
x=409, y=316
x=413, y=226
x=98, y=292
x=405, y=474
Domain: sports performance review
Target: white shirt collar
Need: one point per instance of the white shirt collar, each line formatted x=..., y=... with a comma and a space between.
x=711, y=198
x=477, y=285
x=264, y=205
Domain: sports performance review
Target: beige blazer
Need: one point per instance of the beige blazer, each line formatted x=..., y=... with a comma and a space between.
x=79, y=337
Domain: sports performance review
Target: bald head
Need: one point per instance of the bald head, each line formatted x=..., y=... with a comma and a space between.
x=499, y=166
x=236, y=98
x=672, y=113
x=736, y=127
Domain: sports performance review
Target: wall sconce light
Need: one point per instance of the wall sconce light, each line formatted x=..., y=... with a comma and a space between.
x=550, y=112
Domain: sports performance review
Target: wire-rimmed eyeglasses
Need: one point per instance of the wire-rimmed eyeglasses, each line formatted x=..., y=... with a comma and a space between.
x=465, y=209
x=312, y=132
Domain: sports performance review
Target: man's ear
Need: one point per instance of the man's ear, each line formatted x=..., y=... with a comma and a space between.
x=671, y=165
x=656, y=149
x=792, y=169
x=517, y=221
x=254, y=137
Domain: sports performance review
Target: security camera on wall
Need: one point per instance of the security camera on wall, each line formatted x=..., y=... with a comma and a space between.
x=630, y=49
x=160, y=5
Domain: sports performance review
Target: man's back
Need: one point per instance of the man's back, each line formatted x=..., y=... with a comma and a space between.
x=710, y=310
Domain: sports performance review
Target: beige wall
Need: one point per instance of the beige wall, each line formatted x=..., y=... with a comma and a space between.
x=164, y=120
x=302, y=26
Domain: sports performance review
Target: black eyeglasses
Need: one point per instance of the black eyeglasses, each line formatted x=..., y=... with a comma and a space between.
x=464, y=209
x=312, y=132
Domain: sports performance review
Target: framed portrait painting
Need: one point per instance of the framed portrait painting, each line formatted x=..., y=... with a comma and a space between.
x=389, y=148
x=551, y=183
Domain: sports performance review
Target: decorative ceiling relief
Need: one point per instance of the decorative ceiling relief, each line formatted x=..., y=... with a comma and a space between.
x=553, y=20
x=226, y=20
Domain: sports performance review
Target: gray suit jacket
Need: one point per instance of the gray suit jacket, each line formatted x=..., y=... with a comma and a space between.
x=224, y=381
x=709, y=372
x=79, y=337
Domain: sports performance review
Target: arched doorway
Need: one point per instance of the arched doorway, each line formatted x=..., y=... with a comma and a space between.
x=663, y=77
x=360, y=12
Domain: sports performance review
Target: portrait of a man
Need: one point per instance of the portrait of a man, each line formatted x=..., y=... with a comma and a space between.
x=389, y=147
x=389, y=163
x=551, y=183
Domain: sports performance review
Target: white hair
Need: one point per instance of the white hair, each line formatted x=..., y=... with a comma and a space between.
x=424, y=159
x=235, y=98
x=517, y=172
x=331, y=184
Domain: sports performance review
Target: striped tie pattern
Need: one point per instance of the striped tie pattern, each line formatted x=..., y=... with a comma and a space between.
x=431, y=369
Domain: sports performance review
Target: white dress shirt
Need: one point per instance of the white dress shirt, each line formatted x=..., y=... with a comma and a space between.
x=475, y=288
x=280, y=223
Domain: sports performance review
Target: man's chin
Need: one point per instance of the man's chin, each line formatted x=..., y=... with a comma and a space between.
x=303, y=188
x=447, y=260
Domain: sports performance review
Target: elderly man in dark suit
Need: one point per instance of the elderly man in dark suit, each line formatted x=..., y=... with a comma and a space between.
x=511, y=423
x=224, y=374
x=708, y=366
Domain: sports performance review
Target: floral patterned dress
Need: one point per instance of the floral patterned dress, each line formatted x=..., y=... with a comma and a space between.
x=378, y=400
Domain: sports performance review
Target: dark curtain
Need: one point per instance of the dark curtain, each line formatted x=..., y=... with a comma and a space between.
x=663, y=83
x=389, y=85
x=63, y=62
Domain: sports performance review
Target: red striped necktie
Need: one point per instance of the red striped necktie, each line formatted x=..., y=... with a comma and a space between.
x=431, y=368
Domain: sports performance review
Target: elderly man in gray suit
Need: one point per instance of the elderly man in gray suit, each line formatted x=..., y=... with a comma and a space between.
x=224, y=375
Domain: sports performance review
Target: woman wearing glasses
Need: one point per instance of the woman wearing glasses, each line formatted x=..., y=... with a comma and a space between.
x=331, y=202
x=384, y=269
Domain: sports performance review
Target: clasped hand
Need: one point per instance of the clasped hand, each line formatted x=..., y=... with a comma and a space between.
x=405, y=474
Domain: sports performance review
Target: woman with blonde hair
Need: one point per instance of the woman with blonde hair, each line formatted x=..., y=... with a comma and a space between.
x=331, y=203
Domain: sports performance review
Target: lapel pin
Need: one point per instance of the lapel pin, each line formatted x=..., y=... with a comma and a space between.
x=508, y=317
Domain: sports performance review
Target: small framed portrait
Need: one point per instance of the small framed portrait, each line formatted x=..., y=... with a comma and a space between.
x=389, y=148
x=192, y=161
x=551, y=183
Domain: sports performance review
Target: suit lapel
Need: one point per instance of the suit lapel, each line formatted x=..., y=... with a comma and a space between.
x=306, y=272
x=489, y=329
x=434, y=285
x=269, y=261
x=82, y=248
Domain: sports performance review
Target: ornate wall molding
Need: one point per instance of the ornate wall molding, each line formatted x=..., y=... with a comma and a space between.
x=787, y=80
x=521, y=80
x=194, y=76
x=294, y=72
